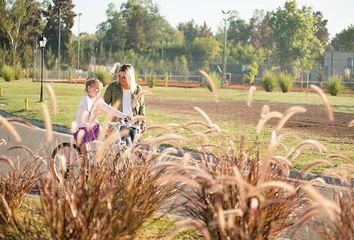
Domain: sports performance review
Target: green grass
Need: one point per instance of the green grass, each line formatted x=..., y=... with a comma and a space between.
x=69, y=95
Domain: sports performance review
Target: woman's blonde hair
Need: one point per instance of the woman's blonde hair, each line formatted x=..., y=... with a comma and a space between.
x=130, y=75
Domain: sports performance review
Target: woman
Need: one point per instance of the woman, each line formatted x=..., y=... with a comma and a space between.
x=122, y=93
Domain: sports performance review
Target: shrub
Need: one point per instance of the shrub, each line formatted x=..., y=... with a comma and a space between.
x=8, y=73
x=14, y=187
x=19, y=72
x=334, y=85
x=269, y=81
x=108, y=202
x=104, y=77
x=70, y=74
x=215, y=77
x=285, y=81
x=151, y=79
x=253, y=72
x=166, y=79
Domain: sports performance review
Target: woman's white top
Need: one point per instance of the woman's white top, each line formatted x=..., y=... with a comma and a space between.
x=127, y=103
x=87, y=112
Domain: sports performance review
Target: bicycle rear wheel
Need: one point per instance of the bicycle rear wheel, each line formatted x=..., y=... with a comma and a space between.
x=66, y=160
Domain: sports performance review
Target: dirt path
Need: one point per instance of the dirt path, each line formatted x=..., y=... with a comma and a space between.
x=314, y=121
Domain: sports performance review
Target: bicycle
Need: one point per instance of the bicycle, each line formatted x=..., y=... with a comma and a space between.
x=67, y=158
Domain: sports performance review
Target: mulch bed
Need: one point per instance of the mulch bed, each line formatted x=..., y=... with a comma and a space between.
x=314, y=121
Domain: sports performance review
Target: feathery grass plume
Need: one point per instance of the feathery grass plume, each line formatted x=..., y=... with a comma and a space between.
x=53, y=99
x=288, y=114
x=343, y=226
x=21, y=121
x=3, y=142
x=297, y=150
x=265, y=110
x=187, y=158
x=8, y=161
x=104, y=148
x=351, y=124
x=8, y=126
x=7, y=211
x=270, y=184
x=165, y=138
x=250, y=95
x=199, y=123
x=109, y=118
x=342, y=157
x=74, y=127
x=206, y=117
x=211, y=84
x=313, y=164
x=265, y=118
x=282, y=160
x=178, y=179
x=139, y=96
x=80, y=136
x=325, y=101
x=47, y=122
x=329, y=207
x=158, y=126
x=166, y=154
x=137, y=118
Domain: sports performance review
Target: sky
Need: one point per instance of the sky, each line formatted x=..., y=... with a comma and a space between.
x=339, y=13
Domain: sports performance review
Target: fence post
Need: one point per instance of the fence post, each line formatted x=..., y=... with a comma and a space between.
x=26, y=103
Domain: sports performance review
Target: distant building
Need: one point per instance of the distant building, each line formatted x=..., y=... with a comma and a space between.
x=337, y=63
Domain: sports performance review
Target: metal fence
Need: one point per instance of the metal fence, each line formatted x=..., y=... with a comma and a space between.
x=173, y=78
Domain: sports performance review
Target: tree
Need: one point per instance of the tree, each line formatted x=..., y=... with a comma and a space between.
x=293, y=32
x=259, y=30
x=137, y=26
x=51, y=29
x=205, y=51
x=321, y=30
x=344, y=41
x=245, y=54
x=239, y=31
x=20, y=24
x=190, y=31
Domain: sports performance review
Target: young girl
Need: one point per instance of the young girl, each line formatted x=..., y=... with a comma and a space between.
x=86, y=116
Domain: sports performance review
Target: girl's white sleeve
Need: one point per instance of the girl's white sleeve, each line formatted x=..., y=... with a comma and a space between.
x=104, y=106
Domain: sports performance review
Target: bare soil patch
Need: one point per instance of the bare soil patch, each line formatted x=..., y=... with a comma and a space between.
x=314, y=121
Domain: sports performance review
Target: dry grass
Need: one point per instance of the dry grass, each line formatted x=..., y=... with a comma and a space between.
x=14, y=186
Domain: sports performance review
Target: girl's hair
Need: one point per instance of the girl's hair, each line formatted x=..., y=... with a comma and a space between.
x=130, y=75
x=91, y=82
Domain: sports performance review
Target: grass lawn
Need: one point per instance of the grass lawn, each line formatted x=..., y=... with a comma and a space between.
x=69, y=95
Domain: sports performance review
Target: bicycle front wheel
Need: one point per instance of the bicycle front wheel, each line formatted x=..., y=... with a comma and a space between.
x=66, y=160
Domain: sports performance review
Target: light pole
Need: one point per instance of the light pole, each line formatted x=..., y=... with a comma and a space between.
x=225, y=13
x=42, y=43
x=78, y=41
x=58, y=40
